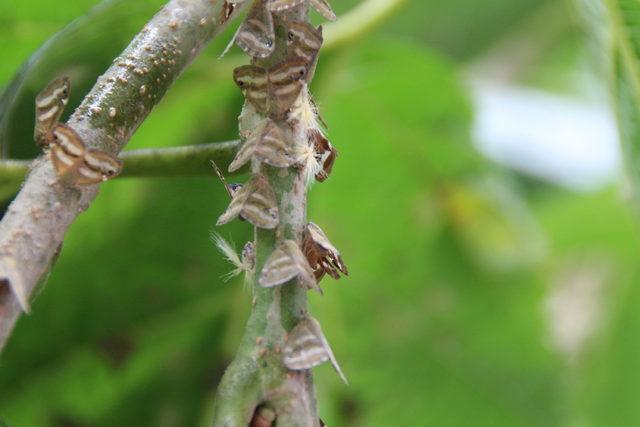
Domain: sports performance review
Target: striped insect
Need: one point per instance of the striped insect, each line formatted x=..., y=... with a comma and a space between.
x=73, y=162
x=306, y=347
x=50, y=104
x=304, y=41
x=76, y=164
x=322, y=6
x=325, y=154
x=256, y=35
x=322, y=256
x=255, y=202
x=286, y=263
x=270, y=144
x=272, y=92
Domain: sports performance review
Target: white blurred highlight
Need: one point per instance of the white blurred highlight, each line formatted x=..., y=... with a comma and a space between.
x=558, y=139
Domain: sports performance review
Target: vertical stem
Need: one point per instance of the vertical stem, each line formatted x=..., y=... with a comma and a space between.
x=257, y=375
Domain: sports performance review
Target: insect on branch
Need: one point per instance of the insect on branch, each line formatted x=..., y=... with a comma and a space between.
x=34, y=225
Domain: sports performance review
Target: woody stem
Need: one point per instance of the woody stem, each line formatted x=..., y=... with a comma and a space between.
x=35, y=224
x=257, y=375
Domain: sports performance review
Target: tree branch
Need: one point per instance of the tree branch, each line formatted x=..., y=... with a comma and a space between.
x=257, y=377
x=35, y=224
x=187, y=160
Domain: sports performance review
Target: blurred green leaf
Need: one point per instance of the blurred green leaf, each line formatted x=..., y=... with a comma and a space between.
x=493, y=223
x=91, y=383
x=416, y=314
x=624, y=16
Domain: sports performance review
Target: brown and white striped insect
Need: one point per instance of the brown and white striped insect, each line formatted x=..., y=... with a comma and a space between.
x=270, y=144
x=323, y=257
x=304, y=41
x=50, y=104
x=306, y=347
x=272, y=92
x=322, y=6
x=256, y=35
x=286, y=263
x=256, y=202
x=73, y=162
x=325, y=154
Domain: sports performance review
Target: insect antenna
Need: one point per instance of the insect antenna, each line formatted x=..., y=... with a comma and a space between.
x=222, y=178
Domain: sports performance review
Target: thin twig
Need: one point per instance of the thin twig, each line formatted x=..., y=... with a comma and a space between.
x=35, y=224
x=187, y=160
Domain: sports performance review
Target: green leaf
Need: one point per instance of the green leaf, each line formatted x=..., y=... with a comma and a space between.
x=90, y=383
x=624, y=17
x=454, y=341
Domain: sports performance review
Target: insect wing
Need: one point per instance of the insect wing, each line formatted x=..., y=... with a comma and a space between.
x=324, y=8
x=314, y=325
x=269, y=144
x=254, y=202
x=97, y=166
x=280, y=5
x=67, y=151
x=303, y=349
x=278, y=269
x=286, y=80
x=325, y=153
x=256, y=35
x=247, y=150
x=244, y=154
x=274, y=147
x=50, y=104
x=253, y=82
x=235, y=207
x=327, y=254
x=305, y=272
x=307, y=347
x=304, y=41
x=261, y=207
x=285, y=263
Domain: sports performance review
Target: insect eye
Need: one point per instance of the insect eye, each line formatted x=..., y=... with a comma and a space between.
x=65, y=93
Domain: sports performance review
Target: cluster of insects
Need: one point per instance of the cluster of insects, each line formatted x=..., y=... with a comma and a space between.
x=289, y=135
x=74, y=163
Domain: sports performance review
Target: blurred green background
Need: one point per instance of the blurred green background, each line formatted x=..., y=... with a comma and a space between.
x=479, y=295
